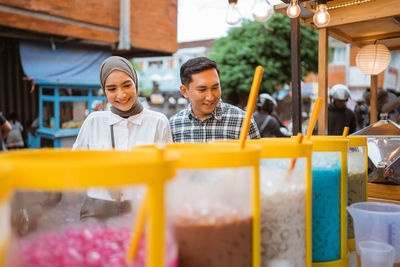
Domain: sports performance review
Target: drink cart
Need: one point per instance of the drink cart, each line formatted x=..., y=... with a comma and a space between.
x=62, y=110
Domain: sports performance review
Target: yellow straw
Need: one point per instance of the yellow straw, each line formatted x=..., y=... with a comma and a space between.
x=137, y=231
x=345, y=131
x=250, y=105
x=311, y=124
x=140, y=219
x=299, y=140
x=314, y=116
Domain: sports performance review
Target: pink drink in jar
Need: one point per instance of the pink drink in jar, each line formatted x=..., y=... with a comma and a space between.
x=88, y=246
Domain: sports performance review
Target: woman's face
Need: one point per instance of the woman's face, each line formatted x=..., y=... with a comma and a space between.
x=120, y=90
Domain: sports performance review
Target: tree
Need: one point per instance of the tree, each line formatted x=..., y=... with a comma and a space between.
x=266, y=44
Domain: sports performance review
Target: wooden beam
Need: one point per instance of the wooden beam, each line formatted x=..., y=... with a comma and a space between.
x=358, y=44
x=339, y=35
x=362, y=12
x=323, y=80
x=58, y=28
x=376, y=37
x=296, y=76
x=373, y=117
x=102, y=13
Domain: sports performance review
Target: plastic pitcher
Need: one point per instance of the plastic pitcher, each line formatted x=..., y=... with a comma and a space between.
x=4, y=215
x=375, y=221
x=329, y=201
x=357, y=176
x=376, y=254
x=214, y=204
x=50, y=189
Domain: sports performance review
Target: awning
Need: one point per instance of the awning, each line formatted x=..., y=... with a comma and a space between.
x=62, y=63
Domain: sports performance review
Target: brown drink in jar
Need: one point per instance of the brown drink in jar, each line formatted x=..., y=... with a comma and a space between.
x=219, y=244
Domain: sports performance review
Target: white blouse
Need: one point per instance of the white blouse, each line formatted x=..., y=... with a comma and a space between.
x=145, y=128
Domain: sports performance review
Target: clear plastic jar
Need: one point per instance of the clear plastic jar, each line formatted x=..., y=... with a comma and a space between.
x=329, y=200
x=285, y=202
x=78, y=208
x=214, y=204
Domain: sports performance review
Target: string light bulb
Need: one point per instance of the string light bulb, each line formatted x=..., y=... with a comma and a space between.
x=293, y=10
x=321, y=17
x=262, y=10
x=233, y=16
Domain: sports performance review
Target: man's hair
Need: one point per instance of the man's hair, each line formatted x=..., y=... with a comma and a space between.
x=196, y=65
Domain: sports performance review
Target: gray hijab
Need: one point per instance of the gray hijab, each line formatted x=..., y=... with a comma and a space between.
x=121, y=64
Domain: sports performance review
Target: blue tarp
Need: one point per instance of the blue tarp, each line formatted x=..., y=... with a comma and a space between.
x=62, y=63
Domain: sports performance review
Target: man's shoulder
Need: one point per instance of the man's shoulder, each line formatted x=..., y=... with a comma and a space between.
x=228, y=108
x=181, y=114
x=274, y=121
x=350, y=113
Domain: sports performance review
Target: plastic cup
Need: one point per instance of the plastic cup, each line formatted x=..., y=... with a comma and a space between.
x=376, y=254
x=376, y=221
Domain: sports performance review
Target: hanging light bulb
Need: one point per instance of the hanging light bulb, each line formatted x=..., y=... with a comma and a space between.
x=293, y=10
x=321, y=17
x=262, y=10
x=233, y=16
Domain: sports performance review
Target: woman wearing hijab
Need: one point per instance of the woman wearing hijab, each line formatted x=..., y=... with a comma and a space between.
x=128, y=124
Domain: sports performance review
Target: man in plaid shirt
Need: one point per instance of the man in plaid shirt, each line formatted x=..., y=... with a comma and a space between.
x=206, y=118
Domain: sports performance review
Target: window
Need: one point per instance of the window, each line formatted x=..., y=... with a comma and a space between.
x=48, y=115
x=155, y=64
x=72, y=114
x=48, y=91
x=72, y=92
x=339, y=55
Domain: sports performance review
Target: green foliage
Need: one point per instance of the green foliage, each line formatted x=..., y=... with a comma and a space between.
x=145, y=92
x=266, y=44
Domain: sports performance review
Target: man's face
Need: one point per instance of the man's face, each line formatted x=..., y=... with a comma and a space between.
x=340, y=104
x=203, y=92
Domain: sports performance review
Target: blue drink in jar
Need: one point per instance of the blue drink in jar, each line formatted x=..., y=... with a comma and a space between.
x=326, y=189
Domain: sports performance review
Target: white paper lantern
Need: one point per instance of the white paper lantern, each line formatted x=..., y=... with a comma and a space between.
x=373, y=59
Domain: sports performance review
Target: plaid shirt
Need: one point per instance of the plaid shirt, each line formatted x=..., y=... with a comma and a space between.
x=224, y=123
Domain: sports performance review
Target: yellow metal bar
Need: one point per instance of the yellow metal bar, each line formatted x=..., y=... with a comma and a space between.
x=343, y=205
x=343, y=262
x=156, y=238
x=309, y=213
x=256, y=216
x=3, y=252
x=366, y=172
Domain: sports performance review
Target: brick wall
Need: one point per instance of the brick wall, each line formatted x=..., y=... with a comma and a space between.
x=153, y=23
